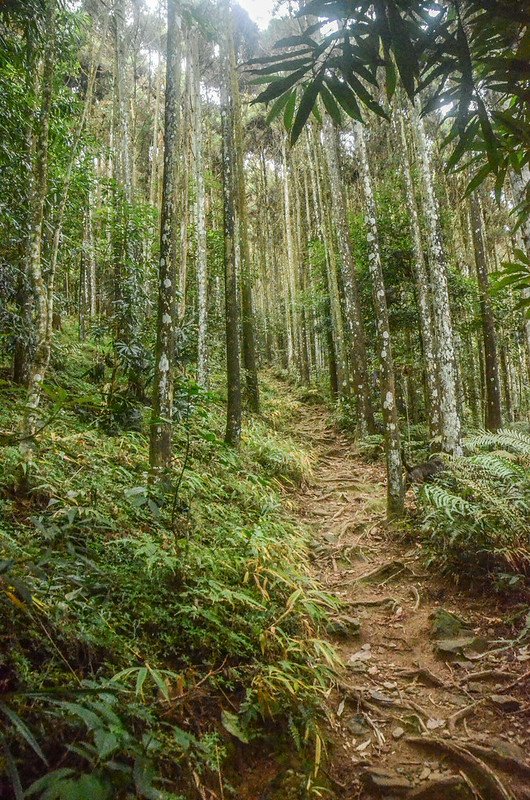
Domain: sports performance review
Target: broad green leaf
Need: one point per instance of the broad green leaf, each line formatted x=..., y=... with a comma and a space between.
x=277, y=88
x=106, y=743
x=345, y=97
x=11, y=770
x=160, y=682
x=403, y=48
x=91, y=720
x=57, y=775
x=288, y=113
x=477, y=179
x=140, y=680
x=330, y=105
x=23, y=730
x=231, y=724
x=277, y=108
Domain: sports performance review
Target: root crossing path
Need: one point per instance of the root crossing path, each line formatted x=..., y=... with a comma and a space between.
x=433, y=702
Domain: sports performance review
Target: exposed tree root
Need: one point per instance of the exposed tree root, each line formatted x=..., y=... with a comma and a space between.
x=463, y=713
x=483, y=778
x=507, y=763
x=425, y=676
x=443, y=789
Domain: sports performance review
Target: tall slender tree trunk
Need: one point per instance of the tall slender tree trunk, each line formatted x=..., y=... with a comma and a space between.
x=450, y=423
x=247, y=310
x=519, y=182
x=202, y=262
x=305, y=354
x=422, y=287
x=290, y=257
x=395, y=486
x=493, y=415
x=91, y=259
x=160, y=446
x=153, y=176
x=185, y=146
x=38, y=192
x=233, y=364
x=352, y=303
x=332, y=316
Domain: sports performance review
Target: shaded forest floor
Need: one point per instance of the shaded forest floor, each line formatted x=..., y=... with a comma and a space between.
x=435, y=699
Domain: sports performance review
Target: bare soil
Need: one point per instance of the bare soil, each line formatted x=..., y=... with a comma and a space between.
x=409, y=720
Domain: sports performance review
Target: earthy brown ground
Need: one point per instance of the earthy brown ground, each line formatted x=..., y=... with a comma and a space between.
x=408, y=720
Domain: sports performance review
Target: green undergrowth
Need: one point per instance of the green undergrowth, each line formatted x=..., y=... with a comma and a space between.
x=150, y=631
x=475, y=516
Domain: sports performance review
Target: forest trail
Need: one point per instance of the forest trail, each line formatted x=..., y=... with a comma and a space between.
x=411, y=719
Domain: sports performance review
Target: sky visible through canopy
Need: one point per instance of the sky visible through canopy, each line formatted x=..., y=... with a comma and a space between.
x=260, y=11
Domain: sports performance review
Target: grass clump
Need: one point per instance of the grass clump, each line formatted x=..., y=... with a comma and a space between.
x=476, y=514
x=148, y=630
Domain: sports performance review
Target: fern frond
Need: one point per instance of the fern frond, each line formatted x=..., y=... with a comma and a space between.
x=516, y=441
x=498, y=467
x=445, y=501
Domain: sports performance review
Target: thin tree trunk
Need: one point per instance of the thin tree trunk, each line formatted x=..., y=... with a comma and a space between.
x=247, y=311
x=183, y=187
x=493, y=415
x=290, y=256
x=519, y=182
x=395, y=486
x=91, y=259
x=38, y=192
x=332, y=316
x=422, y=288
x=233, y=365
x=202, y=262
x=154, y=143
x=450, y=423
x=160, y=449
x=352, y=303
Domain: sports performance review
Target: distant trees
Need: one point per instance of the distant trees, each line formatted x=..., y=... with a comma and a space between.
x=195, y=237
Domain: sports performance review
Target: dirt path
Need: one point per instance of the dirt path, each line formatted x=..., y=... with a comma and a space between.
x=412, y=719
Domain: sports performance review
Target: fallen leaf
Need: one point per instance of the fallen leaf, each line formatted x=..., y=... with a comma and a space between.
x=360, y=748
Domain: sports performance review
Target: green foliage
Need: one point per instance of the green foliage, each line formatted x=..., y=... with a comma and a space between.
x=128, y=610
x=441, y=52
x=476, y=516
x=515, y=275
x=281, y=459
